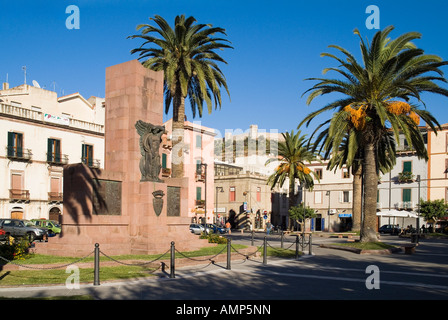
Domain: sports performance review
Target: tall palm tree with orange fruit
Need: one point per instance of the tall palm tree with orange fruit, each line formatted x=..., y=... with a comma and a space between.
x=382, y=94
x=293, y=154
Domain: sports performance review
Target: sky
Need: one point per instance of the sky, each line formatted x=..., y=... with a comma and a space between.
x=277, y=45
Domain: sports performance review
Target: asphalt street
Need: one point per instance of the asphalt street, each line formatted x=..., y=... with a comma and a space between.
x=326, y=274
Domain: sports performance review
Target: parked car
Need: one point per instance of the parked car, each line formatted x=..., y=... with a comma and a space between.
x=23, y=228
x=53, y=226
x=389, y=228
x=215, y=228
x=196, y=228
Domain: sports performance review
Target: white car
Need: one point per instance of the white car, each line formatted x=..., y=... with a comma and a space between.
x=196, y=228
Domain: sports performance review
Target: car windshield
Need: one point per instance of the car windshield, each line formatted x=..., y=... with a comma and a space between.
x=28, y=223
x=57, y=225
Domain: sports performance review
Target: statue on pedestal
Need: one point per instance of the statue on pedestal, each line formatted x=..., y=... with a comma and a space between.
x=150, y=138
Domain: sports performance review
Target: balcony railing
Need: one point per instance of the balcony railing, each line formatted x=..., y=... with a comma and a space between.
x=405, y=205
x=166, y=172
x=200, y=176
x=19, y=195
x=57, y=159
x=18, y=154
x=92, y=163
x=33, y=115
x=200, y=203
x=55, y=196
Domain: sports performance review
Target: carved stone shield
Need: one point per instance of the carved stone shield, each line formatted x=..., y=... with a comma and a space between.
x=157, y=202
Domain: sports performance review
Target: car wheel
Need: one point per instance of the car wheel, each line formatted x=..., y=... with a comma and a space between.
x=31, y=236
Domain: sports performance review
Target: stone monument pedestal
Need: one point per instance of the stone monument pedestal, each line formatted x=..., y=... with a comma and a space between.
x=114, y=207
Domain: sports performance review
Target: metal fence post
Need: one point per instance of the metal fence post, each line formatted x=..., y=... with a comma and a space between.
x=252, y=238
x=172, y=275
x=96, y=270
x=229, y=242
x=265, y=251
x=297, y=246
x=310, y=251
x=283, y=234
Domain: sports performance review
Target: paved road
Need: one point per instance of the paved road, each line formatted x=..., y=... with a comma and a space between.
x=326, y=274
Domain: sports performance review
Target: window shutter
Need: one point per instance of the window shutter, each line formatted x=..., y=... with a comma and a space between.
x=10, y=144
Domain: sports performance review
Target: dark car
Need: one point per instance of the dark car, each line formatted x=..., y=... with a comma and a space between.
x=24, y=229
x=389, y=228
x=215, y=229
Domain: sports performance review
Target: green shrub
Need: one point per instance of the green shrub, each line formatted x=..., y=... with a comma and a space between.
x=15, y=249
x=214, y=238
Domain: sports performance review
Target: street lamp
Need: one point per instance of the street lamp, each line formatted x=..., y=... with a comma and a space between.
x=328, y=193
x=418, y=210
x=220, y=189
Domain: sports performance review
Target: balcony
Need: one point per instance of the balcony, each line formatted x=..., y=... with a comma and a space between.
x=55, y=197
x=405, y=177
x=166, y=172
x=18, y=195
x=57, y=159
x=18, y=154
x=200, y=203
x=91, y=163
x=405, y=205
x=200, y=176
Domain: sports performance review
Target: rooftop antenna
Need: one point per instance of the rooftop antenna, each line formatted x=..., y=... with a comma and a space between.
x=24, y=71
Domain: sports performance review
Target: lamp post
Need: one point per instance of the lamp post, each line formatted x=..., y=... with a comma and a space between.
x=218, y=189
x=418, y=210
x=328, y=193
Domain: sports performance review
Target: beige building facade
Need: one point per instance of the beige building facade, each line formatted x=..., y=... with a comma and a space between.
x=39, y=134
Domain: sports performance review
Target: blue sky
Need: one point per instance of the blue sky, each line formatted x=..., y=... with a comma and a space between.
x=277, y=44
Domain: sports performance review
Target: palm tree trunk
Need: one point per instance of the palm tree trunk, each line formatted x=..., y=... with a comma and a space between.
x=369, y=221
x=357, y=199
x=177, y=155
x=291, y=202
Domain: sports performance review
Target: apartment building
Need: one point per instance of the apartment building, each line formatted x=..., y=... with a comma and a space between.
x=198, y=167
x=39, y=133
x=438, y=164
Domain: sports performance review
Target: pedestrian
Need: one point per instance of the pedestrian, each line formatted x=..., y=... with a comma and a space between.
x=268, y=227
x=228, y=227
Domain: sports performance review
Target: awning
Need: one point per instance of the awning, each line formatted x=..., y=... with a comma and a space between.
x=397, y=213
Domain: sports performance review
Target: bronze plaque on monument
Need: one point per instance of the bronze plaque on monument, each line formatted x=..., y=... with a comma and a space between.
x=173, y=201
x=106, y=197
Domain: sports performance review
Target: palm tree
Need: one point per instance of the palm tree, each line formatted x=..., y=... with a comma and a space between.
x=376, y=97
x=186, y=55
x=293, y=152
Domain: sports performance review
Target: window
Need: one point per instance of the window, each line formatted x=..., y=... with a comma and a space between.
x=87, y=154
x=164, y=160
x=198, y=193
x=198, y=141
x=232, y=194
x=345, y=196
x=54, y=150
x=258, y=194
x=407, y=166
x=318, y=173
x=345, y=173
x=15, y=144
x=318, y=197
x=406, y=197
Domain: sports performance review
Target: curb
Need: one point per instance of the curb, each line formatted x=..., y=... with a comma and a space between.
x=362, y=251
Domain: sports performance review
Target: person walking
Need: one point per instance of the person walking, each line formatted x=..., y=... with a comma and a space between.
x=228, y=227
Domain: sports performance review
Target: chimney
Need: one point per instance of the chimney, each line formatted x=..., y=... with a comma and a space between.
x=5, y=86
